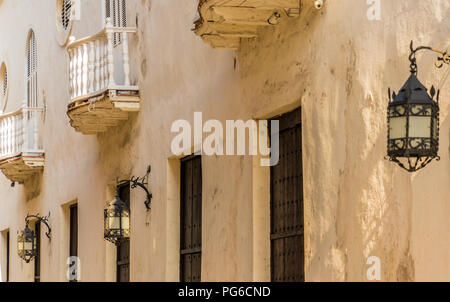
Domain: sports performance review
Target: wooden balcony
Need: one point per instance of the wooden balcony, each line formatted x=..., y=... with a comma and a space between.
x=101, y=94
x=222, y=23
x=21, y=146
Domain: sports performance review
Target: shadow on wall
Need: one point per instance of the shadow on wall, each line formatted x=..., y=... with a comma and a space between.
x=32, y=186
x=118, y=147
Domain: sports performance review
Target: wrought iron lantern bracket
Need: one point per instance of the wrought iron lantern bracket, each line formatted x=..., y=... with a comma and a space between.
x=40, y=219
x=443, y=56
x=142, y=182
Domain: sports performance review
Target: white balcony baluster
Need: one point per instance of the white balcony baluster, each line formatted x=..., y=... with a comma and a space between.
x=92, y=63
x=91, y=87
x=126, y=59
x=85, y=69
x=102, y=88
x=79, y=71
x=71, y=73
x=110, y=38
x=97, y=66
x=19, y=132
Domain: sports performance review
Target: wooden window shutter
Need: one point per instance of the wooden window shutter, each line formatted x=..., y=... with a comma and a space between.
x=8, y=247
x=287, y=230
x=73, y=248
x=37, y=259
x=123, y=249
x=191, y=219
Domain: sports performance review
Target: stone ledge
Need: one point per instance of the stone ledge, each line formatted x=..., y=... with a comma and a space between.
x=20, y=167
x=98, y=113
x=222, y=23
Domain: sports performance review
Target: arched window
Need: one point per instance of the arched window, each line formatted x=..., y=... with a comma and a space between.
x=3, y=86
x=31, y=71
x=117, y=11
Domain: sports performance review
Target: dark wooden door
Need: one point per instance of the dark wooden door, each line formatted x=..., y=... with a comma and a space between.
x=7, y=256
x=74, y=235
x=287, y=243
x=123, y=249
x=37, y=259
x=191, y=219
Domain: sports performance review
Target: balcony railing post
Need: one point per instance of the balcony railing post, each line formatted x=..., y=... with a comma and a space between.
x=2, y=136
x=3, y=131
x=25, y=127
x=74, y=72
x=97, y=66
x=126, y=59
x=5, y=136
x=91, y=67
x=70, y=72
x=104, y=46
x=35, y=128
x=19, y=132
x=110, y=38
x=79, y=71
x=16, y=130
x=14, y=133
x=85, y=59
x=8, y=138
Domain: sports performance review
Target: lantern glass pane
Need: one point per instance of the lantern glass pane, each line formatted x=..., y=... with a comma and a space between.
x=435, y=128
x=20, y=245
x=28, y=245
x=419, y=126
x=397, y=127
x=114, y=222
x=125, y=222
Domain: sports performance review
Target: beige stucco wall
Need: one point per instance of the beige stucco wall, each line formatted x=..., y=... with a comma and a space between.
x=335, y=63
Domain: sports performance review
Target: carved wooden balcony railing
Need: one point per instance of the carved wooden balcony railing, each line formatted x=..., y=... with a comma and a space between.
x=21, y=146
x=223, y=23
x=101, y=94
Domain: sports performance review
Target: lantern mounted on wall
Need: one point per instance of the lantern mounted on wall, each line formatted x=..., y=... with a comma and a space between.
x=413, y=119
x=117, y=221
x=26, y=240
x=117, y=213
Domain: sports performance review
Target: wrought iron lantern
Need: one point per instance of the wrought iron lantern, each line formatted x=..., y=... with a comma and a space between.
x=117, y=214
x=26, y=240
x=117, y=221
x=413, y=120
